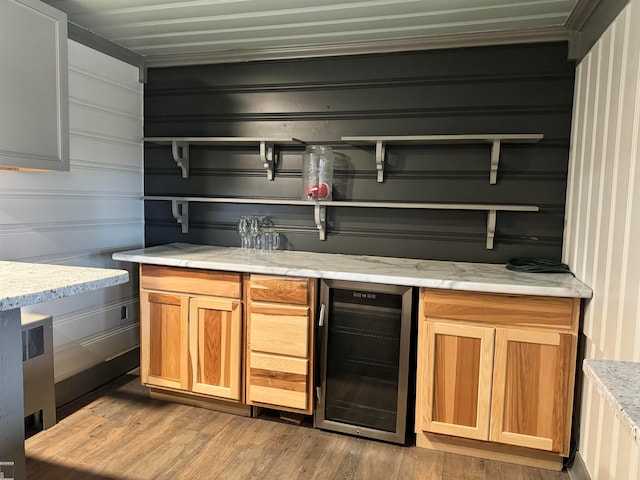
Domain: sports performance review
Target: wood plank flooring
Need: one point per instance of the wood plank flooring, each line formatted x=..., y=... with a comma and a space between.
x=119, y=433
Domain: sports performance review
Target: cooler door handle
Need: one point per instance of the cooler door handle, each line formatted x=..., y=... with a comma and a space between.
x=319, y=352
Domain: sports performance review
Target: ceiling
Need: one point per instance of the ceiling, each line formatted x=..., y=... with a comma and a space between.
x=183, y=31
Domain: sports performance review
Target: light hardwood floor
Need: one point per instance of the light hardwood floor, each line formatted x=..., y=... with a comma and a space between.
x=119, y=433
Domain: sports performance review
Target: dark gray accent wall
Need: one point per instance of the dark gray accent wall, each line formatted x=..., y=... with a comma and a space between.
x=505, y=89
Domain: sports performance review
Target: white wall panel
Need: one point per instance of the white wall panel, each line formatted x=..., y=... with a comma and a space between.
x=573, y=188
x=619, y=31
x=603, y=228
x=102, y=93
x=61, y=208
x=90, y=118
x=77, y=353
x=104, y=67
x=48, y=241
x=82, y=216
x=105, y=154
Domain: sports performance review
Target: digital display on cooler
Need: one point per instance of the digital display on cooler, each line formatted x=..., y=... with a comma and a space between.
x=370, y=296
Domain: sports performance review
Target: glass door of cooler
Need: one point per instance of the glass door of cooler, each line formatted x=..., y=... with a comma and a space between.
x=364, y=355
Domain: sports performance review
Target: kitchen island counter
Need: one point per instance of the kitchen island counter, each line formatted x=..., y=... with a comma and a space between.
x=478, y=277
x=23, y=284
x=617, y=383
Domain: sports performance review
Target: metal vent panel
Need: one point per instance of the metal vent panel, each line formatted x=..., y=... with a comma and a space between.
x=33, y=343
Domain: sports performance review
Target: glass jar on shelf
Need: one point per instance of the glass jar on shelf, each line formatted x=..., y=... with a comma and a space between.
x=317, y=173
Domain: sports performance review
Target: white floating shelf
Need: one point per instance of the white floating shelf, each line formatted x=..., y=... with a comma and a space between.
x=495, y=140
x=180, y=148
x=180, y=208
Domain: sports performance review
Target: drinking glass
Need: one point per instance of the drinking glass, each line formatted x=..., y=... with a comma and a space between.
x=255, y=228
x=243, y=230
x=269, y=240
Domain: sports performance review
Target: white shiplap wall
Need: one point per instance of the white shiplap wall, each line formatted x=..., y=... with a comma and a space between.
x=602, y=234
x=82, y=216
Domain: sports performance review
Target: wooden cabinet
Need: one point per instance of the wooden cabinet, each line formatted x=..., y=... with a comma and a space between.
x=34, y=105
x=497, y=368
x=164, y=339
x=532, y=389
x=191, y=331
x=215, y=339
x=279, y=371
x=457, y=379
x=192, y=336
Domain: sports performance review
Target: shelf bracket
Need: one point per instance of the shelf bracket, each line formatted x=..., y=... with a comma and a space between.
x=491, y=228
x=495, y=159
x=380, y=153
x=320, y=216
x=268, y=158
x=180, y=211
x=180, y=152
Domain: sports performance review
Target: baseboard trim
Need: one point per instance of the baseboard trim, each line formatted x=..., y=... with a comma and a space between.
x=201, y=401
x=578, y=470
x=490, y=451
x=82, y=383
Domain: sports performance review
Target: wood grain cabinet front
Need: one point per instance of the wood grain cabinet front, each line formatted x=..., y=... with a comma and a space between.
x=480, y=378
x=457, y=379
x=279, y=343
x=215, y=340
x=164, y=339
x=533, y=389
x=191, y=343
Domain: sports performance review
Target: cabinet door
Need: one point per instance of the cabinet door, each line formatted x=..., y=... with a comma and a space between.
x=215, y=334
x=164, y=337
x=456, y=379
x=34, y=105
x=278, y=354
x=532, y=374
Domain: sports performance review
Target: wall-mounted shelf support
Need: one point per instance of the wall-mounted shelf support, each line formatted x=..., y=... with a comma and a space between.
x=180, y=211
x=269, y=159
x=494, y=139
x=380, y=160
x=320, y=216
x=180, y=152
x=495, y=159
x=491, y=228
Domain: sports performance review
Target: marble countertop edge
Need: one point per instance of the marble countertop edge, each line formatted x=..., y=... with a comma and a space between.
x=23, y=284
x=488, y=278
x=54, y=294
x=617, y=383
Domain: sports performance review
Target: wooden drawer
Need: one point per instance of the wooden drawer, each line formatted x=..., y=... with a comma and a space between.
x=268, y=288
x=280, y=329
x=499, y=309
x=191, y=280
x=278, y=380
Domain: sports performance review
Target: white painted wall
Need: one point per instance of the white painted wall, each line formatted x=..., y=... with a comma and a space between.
x=82, y=216
x=602, y=234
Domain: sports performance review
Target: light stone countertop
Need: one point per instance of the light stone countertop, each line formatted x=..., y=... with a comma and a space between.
x=619, y=384
x=480, y=277
x=23, y=284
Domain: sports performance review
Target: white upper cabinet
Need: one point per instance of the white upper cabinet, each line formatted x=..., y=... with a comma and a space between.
x=34, y=107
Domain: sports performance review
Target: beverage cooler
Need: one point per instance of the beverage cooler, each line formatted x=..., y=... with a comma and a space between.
x=362, y=359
